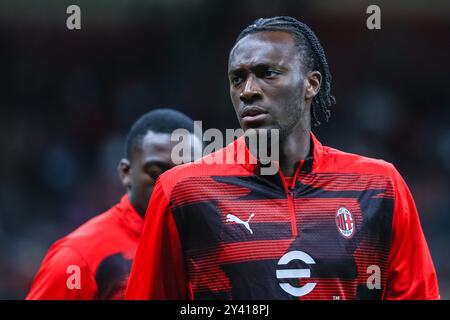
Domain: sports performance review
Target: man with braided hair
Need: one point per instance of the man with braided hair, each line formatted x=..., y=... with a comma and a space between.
x=327, y=225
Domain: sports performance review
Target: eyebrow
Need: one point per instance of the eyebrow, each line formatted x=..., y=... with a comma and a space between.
x=163, y=165
x=257, y=66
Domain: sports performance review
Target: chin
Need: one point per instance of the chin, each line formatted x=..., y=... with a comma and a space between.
x=263, y=127
x=265, y=131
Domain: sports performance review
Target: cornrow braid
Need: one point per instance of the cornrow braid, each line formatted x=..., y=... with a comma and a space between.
x=313, y=54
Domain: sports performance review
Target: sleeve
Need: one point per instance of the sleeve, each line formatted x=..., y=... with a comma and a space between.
x=411, y=274
x=158, y=270
x=63, y=275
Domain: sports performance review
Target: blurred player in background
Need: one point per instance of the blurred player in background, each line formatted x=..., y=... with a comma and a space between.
x=328, y=225
x=93, y=262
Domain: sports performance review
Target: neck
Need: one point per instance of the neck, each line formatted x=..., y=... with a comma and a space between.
x=141, y=211
x=294, y=147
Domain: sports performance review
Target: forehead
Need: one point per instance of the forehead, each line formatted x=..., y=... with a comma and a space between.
x=274, y=47
x=156, y=146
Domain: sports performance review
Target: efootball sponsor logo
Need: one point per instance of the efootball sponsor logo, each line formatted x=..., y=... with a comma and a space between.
x=295, y=273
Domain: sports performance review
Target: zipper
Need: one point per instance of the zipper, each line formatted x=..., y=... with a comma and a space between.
x=290, y=196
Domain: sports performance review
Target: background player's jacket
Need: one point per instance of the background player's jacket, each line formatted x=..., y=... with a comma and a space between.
x=94, y=261
x=347, y=228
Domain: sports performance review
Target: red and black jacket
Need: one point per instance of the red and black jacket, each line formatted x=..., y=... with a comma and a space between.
x=92, y=262
x=346, y=228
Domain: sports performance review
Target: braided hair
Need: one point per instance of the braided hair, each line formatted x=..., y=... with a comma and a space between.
x=314, y=56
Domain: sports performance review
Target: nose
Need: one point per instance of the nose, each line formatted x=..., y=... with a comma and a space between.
x=251, y=92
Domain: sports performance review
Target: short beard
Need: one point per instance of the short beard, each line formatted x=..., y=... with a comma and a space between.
x=297, y=112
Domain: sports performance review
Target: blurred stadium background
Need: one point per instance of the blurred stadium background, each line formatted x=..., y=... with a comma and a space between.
x=68, y=99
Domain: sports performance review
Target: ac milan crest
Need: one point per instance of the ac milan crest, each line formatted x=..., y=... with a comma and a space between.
x=345, y=223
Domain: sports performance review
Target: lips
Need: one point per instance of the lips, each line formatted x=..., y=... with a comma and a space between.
x=252, y=111
x=253, y=116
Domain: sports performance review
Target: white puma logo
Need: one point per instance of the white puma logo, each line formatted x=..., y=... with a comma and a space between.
x=233, y=218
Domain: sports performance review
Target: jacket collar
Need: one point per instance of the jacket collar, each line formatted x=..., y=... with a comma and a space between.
x=247, y=160
x=128, y=215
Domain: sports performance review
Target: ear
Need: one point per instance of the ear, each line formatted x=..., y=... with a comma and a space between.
x=123, y=169
x=313, y=80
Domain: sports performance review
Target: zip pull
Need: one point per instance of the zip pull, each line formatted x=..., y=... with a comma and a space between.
x=290, y=199
x=291, y=191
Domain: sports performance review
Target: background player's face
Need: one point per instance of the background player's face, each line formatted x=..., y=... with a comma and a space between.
x=139, y=174
x=269, y=86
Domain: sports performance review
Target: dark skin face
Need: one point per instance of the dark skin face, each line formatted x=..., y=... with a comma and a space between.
x=147, y=163
x=270, y=88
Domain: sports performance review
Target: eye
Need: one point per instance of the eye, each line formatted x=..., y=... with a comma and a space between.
x=236, y=80
x=154, y=173
x=270, y=74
